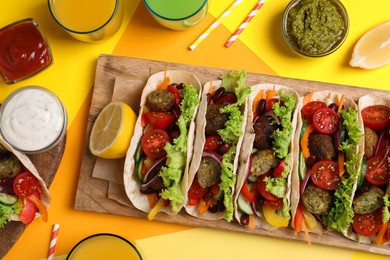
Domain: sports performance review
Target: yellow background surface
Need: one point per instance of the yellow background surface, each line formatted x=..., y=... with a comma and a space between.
x=260, y=49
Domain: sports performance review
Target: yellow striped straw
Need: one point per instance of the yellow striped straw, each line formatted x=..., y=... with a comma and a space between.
x=214, y=24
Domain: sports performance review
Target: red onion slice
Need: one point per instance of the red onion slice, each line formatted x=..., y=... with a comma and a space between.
x=304, y=182
x=214, y=155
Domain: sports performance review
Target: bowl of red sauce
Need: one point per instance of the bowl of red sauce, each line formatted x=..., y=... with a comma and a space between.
x=24, y=51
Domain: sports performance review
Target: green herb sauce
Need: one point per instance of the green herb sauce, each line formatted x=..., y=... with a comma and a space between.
x=315, y=26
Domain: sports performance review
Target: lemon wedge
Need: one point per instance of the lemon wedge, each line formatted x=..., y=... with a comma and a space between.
x=112, y=131
x=373, y=49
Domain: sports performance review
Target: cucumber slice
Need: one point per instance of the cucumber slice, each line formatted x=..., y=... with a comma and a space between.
x=138, y=152
x=244, y=205
x=301, y=163
x=7, y=199
x=362, y=172
x=138, y=168
x=218, y=196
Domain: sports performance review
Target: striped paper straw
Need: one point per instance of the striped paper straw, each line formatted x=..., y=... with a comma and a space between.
x=244, y=23
x=53, y=241
x=214, y=24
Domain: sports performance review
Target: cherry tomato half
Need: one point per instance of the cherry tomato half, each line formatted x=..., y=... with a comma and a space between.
x=277, y=172
x=153, y=142
x=270, y=103
x=376, y=116
x=196, y=191
x=377, y=175
x=172, y=88
x=25, y=184
x=326, y=120
x=261, y=187
x=213, y=142
x=226, y=99
x=311, y=107
x=367, y=224
x=325, y=174
x=160, y=120
x=248, y=192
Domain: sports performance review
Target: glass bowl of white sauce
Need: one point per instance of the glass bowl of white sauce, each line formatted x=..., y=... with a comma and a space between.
x=33, y=119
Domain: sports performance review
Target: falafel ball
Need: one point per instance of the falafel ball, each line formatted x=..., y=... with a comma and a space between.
x=160, y=100
x=263, y=161
x=263, y=128
x=316, y=200
x=368, y=201
x=10, y=166
x=215, y=120
x=322, y=146
x=209, y=172
x=370, y=140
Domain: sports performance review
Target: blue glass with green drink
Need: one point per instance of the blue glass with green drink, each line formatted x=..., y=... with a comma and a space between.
x=177, y=14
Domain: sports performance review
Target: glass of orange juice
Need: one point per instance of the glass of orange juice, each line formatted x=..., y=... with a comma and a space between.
x=88, y=20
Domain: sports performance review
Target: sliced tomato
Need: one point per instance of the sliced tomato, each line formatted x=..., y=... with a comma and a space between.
x=326, y=120
x=25, y=184
x=311, y=107
x=279, y=169
x=193, y=202
x=376, y=116
x=261, y=187
x=27, y=214
x=226, y=99
x=153, y=143
x=172, y=88
x=325, y=174
x=213, y=142
x=377, y=175
x=276, y=205
x=270, y=103
x=248, y=192
x=367, y=224
x=159, y=120
x=196, y=191
x=215, y=189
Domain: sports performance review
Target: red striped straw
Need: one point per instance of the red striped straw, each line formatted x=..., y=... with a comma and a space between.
x=244, y=23
x=53, y=241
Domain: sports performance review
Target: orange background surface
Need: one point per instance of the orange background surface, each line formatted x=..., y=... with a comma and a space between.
x=260, y=49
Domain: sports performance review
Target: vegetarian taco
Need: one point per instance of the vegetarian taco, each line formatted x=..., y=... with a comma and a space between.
x=156, y=165
x=264, y=176
x=371, y=202
x=23, y=193
x=328, y=144
x=220, y=125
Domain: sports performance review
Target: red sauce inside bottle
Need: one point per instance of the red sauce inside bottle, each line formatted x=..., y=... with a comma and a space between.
x=23, y=51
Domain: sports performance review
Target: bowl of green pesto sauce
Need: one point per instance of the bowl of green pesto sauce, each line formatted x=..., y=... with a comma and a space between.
x=315, y=28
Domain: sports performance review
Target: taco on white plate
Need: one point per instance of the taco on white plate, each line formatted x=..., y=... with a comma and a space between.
x=156, y=164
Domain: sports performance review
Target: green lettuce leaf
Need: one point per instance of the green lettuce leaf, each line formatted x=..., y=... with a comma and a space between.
x=172, y=173
x=7, y=211
x=386, y=208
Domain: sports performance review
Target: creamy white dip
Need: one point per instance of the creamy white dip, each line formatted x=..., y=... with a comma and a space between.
x=32, y=119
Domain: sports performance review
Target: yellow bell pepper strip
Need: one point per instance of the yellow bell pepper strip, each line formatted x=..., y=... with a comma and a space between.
x=305, y=141
x=35, y=198
x=152, y=214
x=273, y=218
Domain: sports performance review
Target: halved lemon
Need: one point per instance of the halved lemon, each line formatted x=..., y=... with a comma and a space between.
x=373, y=49
x=112, y=131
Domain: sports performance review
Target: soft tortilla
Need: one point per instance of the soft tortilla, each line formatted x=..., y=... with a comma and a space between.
x=200, y=139
x=328, y=97
x=45, y=196
x=364, y=102
x=132, y=186
x=246, y=149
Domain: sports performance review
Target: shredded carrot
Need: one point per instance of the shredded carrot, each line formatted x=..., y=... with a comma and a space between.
x=211, y=89
x=152, y=199
x=165, y=82
x=258, y=97
x=340, y=105
x=341, y=163
x=379, y=239
x=305, y=141
x=202, y=206
x=308, y=97
x=270, y=94
x=251, y=223
x=306, y=233
x=329, y=95
x=152, y=214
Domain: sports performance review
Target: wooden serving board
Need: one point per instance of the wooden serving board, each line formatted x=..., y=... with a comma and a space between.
x=132, y=74
x=46, y=164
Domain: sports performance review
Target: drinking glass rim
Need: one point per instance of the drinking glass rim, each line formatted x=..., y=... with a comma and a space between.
x=83, y=32
x=174, y=19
